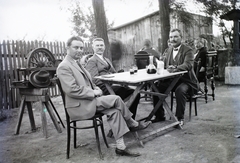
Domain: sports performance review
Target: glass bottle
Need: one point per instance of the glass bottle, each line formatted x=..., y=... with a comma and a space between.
x=160, y=65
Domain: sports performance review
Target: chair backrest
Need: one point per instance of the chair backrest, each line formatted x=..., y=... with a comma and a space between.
x=61, y=90
x=63, y=99
x=141, y=59
x=211, y=63
x=85, y=59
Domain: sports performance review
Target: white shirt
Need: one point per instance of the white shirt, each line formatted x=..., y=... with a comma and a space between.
x=196, y=54
x=175, y=52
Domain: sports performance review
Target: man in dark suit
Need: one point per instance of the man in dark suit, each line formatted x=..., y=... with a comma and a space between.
x=99, y=65
x=83, y=98
x=147, y=47
x=179, y=57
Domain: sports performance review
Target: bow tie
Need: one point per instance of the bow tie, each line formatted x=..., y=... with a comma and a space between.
x=175, y=49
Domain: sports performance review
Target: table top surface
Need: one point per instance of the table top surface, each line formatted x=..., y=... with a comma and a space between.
x=140, y=76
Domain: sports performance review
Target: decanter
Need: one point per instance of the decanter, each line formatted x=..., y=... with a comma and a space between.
x=151, y=69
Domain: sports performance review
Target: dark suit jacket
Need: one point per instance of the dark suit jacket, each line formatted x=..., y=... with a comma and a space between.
x=151, y=51
x=200, y=55
x=184, y=61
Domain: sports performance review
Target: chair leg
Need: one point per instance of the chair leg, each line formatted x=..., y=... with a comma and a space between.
x=195, y=102
x=213, y=88
x=206, y=90
x=190, y=109
x=75, y=135
x=145, y=95
x=97, y=137
x=171, y=103
x=103, y=133
x=68, y=139
x=56, y=112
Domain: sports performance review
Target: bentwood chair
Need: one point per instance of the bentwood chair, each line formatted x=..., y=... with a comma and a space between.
x=191, y=97
x=72, y=124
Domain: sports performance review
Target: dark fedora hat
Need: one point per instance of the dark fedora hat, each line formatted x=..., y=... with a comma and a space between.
x=40, y=79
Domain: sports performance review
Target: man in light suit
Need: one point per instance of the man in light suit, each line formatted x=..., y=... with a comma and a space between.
x=179, y=57
x=99, y=65
x=84, y=99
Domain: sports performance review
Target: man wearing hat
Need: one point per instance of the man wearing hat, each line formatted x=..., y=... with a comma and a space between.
x=84, y=99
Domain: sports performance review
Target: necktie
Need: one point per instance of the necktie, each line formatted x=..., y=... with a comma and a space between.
x=85, y=74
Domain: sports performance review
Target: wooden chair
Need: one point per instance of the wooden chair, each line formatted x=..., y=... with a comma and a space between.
x=72, y=124
x=191, y=97
x=209, y=74
x=142, y=60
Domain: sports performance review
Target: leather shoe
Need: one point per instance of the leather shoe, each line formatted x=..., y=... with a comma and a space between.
x=158, y=120
x=181, y=122
x=126, y=152
x=141, y=125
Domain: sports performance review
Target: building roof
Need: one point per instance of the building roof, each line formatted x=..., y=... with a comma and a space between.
x=134, y=21
x=139, y=19
x=231, y=15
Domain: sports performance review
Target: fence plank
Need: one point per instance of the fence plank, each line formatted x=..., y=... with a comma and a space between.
x=43, y=44
x=15, y=92
x=1, y=78
x=18, y=53
x=53, y=89
x=5, y=73
x=10, y=75
x=21, y=46
x=14, y=55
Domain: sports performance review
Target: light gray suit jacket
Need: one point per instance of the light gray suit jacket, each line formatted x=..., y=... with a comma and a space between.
x=82, y=104
x=79, y=96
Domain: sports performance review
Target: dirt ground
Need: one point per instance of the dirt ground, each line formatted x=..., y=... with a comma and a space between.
x=210, y=137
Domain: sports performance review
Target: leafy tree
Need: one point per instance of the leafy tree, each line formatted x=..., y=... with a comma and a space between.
x=178, y=11
x=83, y=20
x=216, y=8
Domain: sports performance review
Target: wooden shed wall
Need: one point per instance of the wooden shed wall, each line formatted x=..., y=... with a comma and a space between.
x=132, y=34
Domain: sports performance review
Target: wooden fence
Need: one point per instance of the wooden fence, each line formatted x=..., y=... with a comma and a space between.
x=14, y=55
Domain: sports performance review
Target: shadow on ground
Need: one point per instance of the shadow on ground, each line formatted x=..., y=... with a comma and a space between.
x=210, y=137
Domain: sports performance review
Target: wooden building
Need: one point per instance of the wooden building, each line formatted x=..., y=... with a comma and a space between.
x=132, y=34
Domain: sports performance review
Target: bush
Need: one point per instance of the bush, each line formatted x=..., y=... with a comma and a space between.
x=233, y=57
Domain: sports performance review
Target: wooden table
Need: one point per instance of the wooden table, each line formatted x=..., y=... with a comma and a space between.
x=41, y=95
x=140, y=79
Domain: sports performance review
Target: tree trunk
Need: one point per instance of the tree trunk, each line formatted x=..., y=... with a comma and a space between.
x=101, y=24
x=164, y=12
